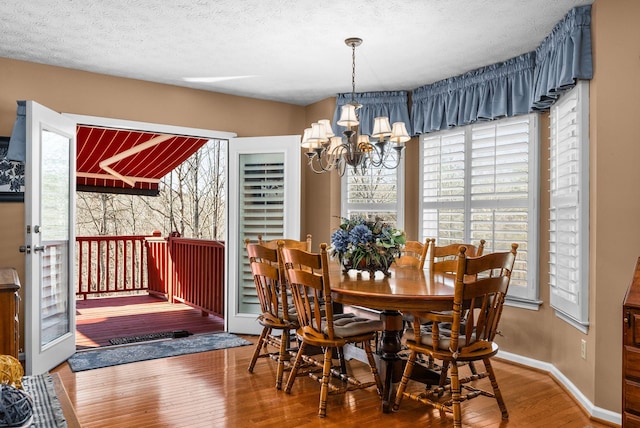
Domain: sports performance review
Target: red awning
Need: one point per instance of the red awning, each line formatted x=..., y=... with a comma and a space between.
x=125, y=161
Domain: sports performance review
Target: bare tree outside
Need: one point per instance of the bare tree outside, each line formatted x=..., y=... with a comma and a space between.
x=372, y=194
x=191, y=202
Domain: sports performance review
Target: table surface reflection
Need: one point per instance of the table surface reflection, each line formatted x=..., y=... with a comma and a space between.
x=405, y=290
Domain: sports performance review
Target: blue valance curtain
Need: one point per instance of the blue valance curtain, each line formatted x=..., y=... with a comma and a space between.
x=563, y=57
x=498, y=90
x=393, y=105
x=530, y=82
x=18, y=140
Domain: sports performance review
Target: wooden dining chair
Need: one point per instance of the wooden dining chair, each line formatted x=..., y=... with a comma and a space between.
x=289, y=243
x=308, y=279
x=276, y=313
x=443, y=258
x=414, y=254
x=452, y=337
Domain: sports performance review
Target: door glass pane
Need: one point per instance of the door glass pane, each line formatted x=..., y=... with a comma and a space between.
x=54, y=237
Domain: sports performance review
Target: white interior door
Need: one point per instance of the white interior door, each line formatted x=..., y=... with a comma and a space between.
x=49, y=238
x=264, y=198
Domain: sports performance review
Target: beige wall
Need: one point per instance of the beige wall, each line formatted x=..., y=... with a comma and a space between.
x=615, y=153
x=614, y=225
x=321, y=192
x=78, y=92
x=615, y=204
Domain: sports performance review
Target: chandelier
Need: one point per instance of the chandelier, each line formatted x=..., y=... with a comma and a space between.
x=328, y=152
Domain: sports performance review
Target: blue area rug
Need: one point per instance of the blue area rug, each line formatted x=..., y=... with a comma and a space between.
x=113, y=356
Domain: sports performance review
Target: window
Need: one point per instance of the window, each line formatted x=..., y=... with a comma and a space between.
x=377, y=192
x=569, y=207
x=480, y=182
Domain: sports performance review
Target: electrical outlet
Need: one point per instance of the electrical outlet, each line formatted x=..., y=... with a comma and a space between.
x=583, y=349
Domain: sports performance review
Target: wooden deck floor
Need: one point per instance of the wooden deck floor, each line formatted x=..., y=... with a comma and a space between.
x=98, y=320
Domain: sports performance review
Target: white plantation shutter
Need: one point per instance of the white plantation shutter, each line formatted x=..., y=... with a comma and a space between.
x=569, y=207
x=500, y=200
x=443, y=186
x=262, y=195
x=479, y=182
x=377, y=192
x=264, y=198
x=262, y=201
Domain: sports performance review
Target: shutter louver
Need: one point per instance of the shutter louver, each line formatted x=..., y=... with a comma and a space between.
x=443, y=187
x=500, y=191
x=443, y=167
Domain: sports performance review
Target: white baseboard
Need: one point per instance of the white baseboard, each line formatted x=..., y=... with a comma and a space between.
x=594, y=411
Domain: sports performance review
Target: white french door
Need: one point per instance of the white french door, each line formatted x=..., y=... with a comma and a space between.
x=49, y=238
x=264, y=198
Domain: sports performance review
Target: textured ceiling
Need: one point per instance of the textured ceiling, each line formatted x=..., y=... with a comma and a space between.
x=284, y=50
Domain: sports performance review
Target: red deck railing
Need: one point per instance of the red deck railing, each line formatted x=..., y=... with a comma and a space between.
x=184, y=270
x=110, y=264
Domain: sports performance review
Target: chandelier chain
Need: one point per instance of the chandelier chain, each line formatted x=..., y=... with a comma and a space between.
x=353, y=72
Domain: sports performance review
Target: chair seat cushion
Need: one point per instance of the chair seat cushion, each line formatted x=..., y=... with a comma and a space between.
x=291, y=311
x=347, y=326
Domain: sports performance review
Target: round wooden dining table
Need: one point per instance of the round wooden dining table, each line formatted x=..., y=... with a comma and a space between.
x=407, y=289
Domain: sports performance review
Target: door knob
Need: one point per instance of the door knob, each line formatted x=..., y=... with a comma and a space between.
x=39, y=248
x=25, y=249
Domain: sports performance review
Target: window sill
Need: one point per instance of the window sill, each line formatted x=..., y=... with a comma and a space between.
x=533, y=305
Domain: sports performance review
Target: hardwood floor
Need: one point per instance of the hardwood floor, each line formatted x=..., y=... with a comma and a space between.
x=214, y=389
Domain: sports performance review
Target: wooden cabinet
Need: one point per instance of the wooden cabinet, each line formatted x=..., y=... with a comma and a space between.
x=631, y=353
x=9, y=304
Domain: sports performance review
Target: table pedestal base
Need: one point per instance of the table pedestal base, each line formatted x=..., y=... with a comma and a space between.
x=390, y=345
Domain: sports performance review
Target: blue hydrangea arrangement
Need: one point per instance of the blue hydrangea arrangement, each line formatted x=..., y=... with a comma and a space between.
x=368, y=245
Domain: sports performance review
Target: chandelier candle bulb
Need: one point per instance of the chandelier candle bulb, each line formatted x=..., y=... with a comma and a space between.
x=399, y=133
x=305, y=140
x=348, y=117
x=326, y=124
x=381, y=127
x=318, y=133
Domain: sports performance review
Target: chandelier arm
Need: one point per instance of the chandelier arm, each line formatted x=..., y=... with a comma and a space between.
x=327, y=165
x=379, y=156
x=341, y=166
x=312, y=165
x=395, y=164
x=317, y=155
x=322, y=160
